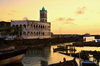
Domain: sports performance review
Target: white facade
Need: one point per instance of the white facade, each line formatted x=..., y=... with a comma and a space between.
x=89, y=38
x=33, y=29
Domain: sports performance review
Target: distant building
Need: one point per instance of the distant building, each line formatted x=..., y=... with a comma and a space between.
x=89, y=38
x=97, y=40
x=64, y=35
x=35, y=29
x=4, y=29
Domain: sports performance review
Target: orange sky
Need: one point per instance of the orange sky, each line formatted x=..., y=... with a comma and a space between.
x=66, y=16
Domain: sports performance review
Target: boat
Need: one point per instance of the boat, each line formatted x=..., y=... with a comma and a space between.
x=88, y=63
x=10, y=55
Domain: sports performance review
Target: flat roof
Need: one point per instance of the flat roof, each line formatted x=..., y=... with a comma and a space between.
x=28, y=21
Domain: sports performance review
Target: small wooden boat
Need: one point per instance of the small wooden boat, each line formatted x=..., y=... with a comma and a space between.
x=11, y=55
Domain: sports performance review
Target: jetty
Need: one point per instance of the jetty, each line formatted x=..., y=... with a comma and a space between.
x=66, y=63
x=90, y=44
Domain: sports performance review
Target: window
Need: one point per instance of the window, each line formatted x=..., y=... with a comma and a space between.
x=24, y=33
x=16, y=25
x=31, y=33
x=31, y=25
x=20, y=25
x=41, y=26
x=34, y=33
x=24, y=26
x=28, y=33
x=43, y=33
x=39, y=33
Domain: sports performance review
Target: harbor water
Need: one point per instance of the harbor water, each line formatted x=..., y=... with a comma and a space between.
x=33, y=57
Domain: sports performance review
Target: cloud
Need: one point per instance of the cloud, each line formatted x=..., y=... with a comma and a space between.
x=60, y=19
x=12, y=12
x=68, y=20
x=81, y=10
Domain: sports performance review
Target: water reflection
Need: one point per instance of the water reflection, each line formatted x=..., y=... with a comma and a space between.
x=90, y=53
x=33, y=56
x=44, y=52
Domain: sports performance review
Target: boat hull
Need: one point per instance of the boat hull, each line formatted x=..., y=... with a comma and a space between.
x=15, y=59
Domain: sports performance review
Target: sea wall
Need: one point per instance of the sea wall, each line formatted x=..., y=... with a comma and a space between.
x=39, y=42
x=80, y=44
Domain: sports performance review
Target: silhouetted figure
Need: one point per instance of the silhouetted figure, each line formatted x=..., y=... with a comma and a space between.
x=64, y=59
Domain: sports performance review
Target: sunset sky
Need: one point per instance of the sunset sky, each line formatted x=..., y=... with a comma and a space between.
x=66, y=16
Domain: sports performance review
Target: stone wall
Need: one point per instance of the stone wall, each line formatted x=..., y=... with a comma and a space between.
x=39, y=42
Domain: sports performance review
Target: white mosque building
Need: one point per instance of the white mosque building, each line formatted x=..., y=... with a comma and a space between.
x=35, y=29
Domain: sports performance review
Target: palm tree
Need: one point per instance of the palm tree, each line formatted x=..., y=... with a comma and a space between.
x=5, y=31
x=16, y=31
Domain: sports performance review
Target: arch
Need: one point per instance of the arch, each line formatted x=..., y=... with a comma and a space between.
x=39, y=27
x=36, y=26
x=31, y=33
x=24, y=33
x=34, y=33
x=16, y=25
x=13, y=25
x=31, y=25
x=28, y=33
x=43, y=26
x=24, y=26
x=38, y=33
x=20, y=25
x=43, y=34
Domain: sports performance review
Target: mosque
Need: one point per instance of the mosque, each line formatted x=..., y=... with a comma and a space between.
x=34, y=29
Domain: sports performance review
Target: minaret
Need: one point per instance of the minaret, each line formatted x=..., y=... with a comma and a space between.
x=43, y=15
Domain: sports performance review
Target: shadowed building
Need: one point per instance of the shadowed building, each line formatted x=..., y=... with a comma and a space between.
x=4, y=29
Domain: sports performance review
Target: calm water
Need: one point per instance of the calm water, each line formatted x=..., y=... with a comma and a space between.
x=34, y=57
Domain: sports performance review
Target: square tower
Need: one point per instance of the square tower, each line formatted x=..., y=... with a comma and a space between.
x=43, y=15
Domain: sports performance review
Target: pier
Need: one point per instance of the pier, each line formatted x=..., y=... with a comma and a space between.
x=91, y=44
x=66, y=63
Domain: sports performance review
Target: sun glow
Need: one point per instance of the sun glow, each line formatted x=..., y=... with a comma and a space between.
x=66, y=16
